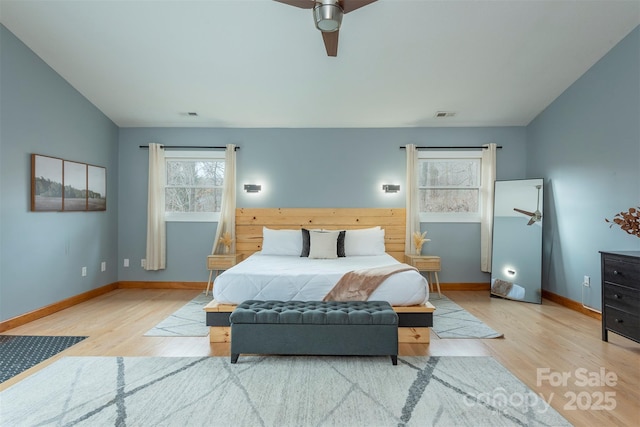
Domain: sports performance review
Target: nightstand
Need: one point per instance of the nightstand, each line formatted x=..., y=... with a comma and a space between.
x=220, y=262
x=428, y=264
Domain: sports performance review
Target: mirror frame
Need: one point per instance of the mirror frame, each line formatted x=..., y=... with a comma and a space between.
x=516, y=262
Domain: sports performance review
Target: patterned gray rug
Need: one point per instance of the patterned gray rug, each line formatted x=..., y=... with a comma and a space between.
x=449, y=321
x=188, y=321
x=275, y=391
x=452, y=321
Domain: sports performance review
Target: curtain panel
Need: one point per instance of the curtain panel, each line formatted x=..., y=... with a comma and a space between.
x=227, y=222
x=486, y=217
x=412, y=210
x=156, y=229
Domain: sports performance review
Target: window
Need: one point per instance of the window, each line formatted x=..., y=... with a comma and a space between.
x=449, y=184
x=193, y=187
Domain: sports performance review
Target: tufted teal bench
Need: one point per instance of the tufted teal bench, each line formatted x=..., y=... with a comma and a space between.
x=359, y=328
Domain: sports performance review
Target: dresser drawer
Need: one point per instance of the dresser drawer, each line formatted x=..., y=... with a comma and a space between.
x=622, y=298
x=617, y=270
x=623, y=323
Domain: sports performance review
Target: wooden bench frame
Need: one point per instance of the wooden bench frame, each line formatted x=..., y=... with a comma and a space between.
x=220, y=331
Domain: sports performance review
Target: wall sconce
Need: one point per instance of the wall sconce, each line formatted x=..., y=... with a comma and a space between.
x=390, y=188
x=252, y=188
x=511, y=272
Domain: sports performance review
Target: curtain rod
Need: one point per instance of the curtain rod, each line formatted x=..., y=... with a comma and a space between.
x=468, y=147
x=199, y=147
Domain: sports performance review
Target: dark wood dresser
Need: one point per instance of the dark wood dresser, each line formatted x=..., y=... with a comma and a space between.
x=621, y=294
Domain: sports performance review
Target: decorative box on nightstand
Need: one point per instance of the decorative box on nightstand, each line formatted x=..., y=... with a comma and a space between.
x=220, y=262
x=428, y=264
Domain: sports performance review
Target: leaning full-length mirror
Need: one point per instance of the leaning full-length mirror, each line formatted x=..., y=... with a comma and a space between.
x=516, y=268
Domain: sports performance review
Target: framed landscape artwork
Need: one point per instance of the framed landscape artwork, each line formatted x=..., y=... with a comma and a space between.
x=67, y=186
x=96, y=188
x=75, y=186
x=46, y=183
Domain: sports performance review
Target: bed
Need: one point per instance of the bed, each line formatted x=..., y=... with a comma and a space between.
x=288, y=278
x=273, y=240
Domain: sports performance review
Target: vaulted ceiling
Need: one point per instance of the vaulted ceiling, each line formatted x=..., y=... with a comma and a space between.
x=261, y=63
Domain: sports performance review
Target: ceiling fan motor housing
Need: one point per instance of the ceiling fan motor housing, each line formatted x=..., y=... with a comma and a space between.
x=327, y=16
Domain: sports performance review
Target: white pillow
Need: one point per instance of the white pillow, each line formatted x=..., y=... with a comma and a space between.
x=366, y=241
x=281, y=242
x=323, y=244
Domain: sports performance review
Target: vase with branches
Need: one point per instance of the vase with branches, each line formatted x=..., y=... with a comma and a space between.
x=226, y=240
x=419, y=240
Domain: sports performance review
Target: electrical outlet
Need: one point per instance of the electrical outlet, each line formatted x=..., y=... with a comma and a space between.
x=143, y=263
x=586, y=282
x=126, y=262
x=103, y=266
x=84, y=271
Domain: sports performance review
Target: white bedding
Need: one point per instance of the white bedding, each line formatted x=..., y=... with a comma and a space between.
x=281, y=277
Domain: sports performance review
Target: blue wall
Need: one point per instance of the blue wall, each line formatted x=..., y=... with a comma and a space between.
x=42, y=253
x=587, y=146
x=303, y=168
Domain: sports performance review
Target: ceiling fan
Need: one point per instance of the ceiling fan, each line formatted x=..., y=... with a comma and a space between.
x=535, y=216
x=327, y=15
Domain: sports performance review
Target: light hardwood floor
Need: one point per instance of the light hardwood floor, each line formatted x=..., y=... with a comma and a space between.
x=538, y=338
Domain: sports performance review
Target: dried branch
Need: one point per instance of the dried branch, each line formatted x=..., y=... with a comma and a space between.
x=628, y=221
x=226, y=240
x=419, y=240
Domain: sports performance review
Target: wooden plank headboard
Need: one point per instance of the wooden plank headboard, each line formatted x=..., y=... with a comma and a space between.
x=249, y=223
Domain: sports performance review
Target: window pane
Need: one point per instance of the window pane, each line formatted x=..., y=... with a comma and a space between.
x=448, y=201
x=189, y=199
x=449, y=173
x=195, y=172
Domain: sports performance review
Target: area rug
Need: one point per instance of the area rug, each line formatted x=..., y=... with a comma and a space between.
x=188, y=321
x=275, y=391
x=449, y=321
x=452, y=321
x=20, y=352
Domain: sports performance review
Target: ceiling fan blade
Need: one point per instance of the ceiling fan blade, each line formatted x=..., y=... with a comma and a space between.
x=303, y=4
x=531, y=221
x=524, y=212
x=331, y=42
x=351, y=5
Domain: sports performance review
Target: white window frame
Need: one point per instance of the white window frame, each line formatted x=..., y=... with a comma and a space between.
x=453, y=217
x=192, y=155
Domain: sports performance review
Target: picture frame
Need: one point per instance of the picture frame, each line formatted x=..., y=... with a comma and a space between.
x=46, y=183
x=59, y=185
x=96, y=188
x=74, y=179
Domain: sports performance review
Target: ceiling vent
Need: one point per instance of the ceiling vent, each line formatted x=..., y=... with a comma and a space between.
x=443, y=114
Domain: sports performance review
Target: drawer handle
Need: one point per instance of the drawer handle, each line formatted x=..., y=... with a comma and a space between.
x=615, y=272
x=618, y=320
x=617, y=296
